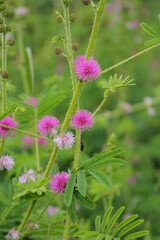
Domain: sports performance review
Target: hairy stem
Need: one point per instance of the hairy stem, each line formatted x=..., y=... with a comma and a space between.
x=67, y=226
x=130, y=58
x=36, y=139
x=77, y=149
x=27, y=133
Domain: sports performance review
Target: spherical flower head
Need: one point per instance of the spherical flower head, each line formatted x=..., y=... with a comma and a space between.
x=52, y=211
x=47, y=125
x=26, y=176
x=151, y=111
x=21, y=11
x=66, y=140
x=59, y=182
x=42, y=142
x=13, y=234
x=10, y=122
x=86, y=69
x=28, y=142
x=82, y=120
x=31, y=101
x=6, y=162
x=148, y=101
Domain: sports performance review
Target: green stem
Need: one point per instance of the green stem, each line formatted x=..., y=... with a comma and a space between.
x=4, y=95
x=67, y=226
x=77, y=149
x=69, y=44
x=36, y=140
x=101, y=105
x=1, y=147
x=130, y=58
x=27, y=133
x=37, y=219
x=25, y=219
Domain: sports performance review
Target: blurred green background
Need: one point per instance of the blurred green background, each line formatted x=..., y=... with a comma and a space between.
x=136, y=128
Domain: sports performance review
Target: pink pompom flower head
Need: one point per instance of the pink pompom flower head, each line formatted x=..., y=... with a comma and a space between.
x=47, y=125
x=28, y=141
x=26, y=176
x=82, y=120
x=66, y=139
x=52, y=210
x=86, y=69
x=59, y=182
x=42, y=142
x=10, y=122
x=31, y=101
x=13, y=234
x=6, y=162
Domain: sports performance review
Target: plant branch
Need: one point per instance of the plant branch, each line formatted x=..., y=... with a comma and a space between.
x=67, y=226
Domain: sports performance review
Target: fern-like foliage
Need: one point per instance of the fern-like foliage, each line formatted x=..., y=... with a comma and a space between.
x=108, y=229
x=152, y=33
x=117, y=82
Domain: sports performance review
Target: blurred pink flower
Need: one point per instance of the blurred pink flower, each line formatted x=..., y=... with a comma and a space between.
x=47, y=125
x=26, y=176
x=82, y=120
x=59, y=182
x=132, y=24
x=148, y=100
x=6, y=162
x=34, y=227
x=31, y=101
x=13, y=234
x=127, y=215
x=66, y=139
x=126, y=107
x=151, y=111
x=42, y=141
x=86, y=69
x=132, y=180
x=28, y=140
x=52, y=210
x=10, y=122
x=21, y=11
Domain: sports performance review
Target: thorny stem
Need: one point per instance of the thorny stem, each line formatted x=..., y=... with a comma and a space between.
x=37, y=219
x=130, y=58
x=69, y=44
x=36, y=140
x=67, y=226
x=27, y=133
x=77, y=149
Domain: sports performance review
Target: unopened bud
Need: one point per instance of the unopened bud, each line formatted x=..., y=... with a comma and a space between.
x=75, y=47
x=86, y=2
x=57, y=51
x=67, y=2
x=11, y=41
x=8, y=28
x=6, y=13
x=4, y=74
x=59, y=19
x=72, y=17
x=2, y=28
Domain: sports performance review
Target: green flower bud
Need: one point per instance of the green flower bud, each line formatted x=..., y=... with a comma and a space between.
x=75, y=47
x=72, y=17
x=8, y=28
x=86, y=2
x=4, y=74
x=67, y=2
x=11, y=41
x=57, y=51
x=2, y=28
x=59, y=19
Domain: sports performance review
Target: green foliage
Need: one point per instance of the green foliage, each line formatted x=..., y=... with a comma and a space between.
x=69, y=190
x=29, y=70
x=10, y=110
x=81, y=182
x=101, y=177
x=151, y=32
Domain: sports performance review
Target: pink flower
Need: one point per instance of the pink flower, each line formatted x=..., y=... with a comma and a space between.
x=132, y=24
x=47, y=124
x=86, y=69
x=42, y=141
x=34, y=226
x=8, y=121
x=132, y=180
x=126, y=107
x=52, y=210
x=13, y=234
x=28, y=140
x=26, y=176
x=21, y=11
x=148, y=100
x=66, y=139
x=151, y=111
x=31, y=101
x=59, y=182
x=6, y=162
x=82, y=120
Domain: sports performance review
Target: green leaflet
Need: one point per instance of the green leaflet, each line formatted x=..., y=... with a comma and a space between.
x=4, y=199
x=136, y=235
x=72, y=210
x=114, y=219
x=149, y=30
x=130, y=227
x=124, y=222
x=29, y=70
x=81, y=182
x=98, y=223
x=85, y=201
x=101, y=177
x=11, y=109
x=69, y=190
x=106, y=218
x=152, y=42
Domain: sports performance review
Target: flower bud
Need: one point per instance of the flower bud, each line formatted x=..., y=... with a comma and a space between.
x=2, y=28
x=4, y=74
x=86, y=2
x=8, y=28
x=11, y=42
x=72, y=17
x=67, y=2
x=59, y=19
x=57, y=51
x=75, y=47
x=2, y=6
